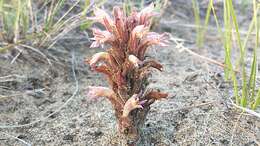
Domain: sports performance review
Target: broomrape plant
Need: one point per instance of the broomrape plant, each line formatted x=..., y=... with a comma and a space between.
x=126, y=67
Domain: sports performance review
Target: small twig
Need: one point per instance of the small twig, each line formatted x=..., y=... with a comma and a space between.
x=20, y=52
x=24, y=142
x=12, y=77
x=202, y=57
x=180, y=46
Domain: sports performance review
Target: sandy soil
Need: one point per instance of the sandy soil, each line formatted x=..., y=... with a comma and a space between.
x=43, y=105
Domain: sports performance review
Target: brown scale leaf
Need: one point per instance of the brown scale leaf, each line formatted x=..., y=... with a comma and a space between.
x=104, y=69
x=157, y=95
x=153, y=64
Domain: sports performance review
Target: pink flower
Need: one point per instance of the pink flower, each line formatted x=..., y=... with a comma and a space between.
x=97, y=91
x=102, y=17
x=101, y=37
x=131, y=104
x=101, y=56
x=119, y=19
x=146, y=14
x=137, y=33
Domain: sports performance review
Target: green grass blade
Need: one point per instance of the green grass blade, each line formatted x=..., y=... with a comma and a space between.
x=252, y=80
x=54, y=8
x=206, y=20
x=1, y=13
x=232, y=12
x=257, y=101
x=229, y=71
x=220, y=32
x=227, y=40
x=87, y=24
x=243, y=101
x=1, y=7
x=86, y=7
x=25, y=20
x=16, y=23
x=127, y=6
x=196, y=12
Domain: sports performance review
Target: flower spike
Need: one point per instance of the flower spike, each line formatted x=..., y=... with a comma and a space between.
x=125, y=65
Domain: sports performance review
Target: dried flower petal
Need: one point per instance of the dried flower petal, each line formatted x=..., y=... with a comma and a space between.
x=131, y=104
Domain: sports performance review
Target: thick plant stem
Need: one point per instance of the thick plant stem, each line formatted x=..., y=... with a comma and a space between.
x=130, y=128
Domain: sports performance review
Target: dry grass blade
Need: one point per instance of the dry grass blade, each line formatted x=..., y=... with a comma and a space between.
x=20, y=52
x=37, y=51
x=182, y=48
x=16, y=138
